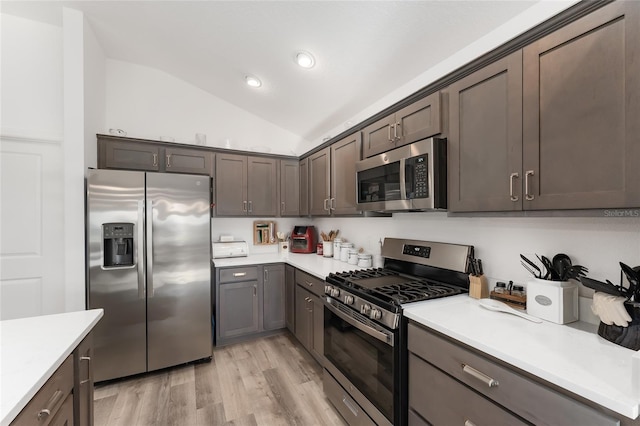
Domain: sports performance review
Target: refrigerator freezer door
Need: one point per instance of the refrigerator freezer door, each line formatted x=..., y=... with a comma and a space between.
x=120, y=338
x=178, y=269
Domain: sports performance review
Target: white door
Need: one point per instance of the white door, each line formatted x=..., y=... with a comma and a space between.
x=31, y=228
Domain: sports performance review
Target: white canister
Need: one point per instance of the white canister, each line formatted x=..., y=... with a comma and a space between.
x=336, y=248
x=554, y=301
x=364, y=260
x=327, y=248
x=344, y=251
x=353, y=257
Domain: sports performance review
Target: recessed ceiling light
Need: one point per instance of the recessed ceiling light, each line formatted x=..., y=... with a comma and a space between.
x=305, y=59
x=253, y=81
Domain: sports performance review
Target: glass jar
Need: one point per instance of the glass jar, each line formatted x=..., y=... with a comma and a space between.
x=517, y=290
x=344, y=251
x=365, y=260
x=500, y=288
x=353, y=257
x=336, y=248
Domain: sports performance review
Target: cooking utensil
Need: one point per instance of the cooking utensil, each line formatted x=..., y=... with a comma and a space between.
x=607, y=287
x=574, y=272
x=533, y=265
x=634, y=281
x=560, y=261
x=529, y=268
x=497, y=306
x=552, y=274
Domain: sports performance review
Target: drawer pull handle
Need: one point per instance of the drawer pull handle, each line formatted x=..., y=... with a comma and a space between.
x=239, y=274
x=492, y=383
x=310, y=284
x=88, y=359
x=469, y=423
x=350, y=406
x=53, y=401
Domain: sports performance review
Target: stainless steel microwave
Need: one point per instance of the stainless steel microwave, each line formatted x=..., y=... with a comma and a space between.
x=412, y=177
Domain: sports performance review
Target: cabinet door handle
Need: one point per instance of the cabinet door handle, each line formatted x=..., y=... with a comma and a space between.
x=250, y=206
x=168, y=160
x=266, y=275
x=332, y=204
x=395, y=131
x=244, y=206
x=88, y=359
x=527, y=196
x=512, y=177
x=239, y=274
x=53, y=401
x=492, y=383
x=468, y=422
x=255, y=290
x=155, y=160
x=282, y=206
x=325, y=204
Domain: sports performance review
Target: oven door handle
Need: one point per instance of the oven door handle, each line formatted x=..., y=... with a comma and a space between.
x=383, y=337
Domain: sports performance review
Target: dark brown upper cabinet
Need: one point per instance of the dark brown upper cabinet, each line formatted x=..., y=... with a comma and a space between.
x=561, y=130
x=582, y=113
x=485, y=138
x=190, y=161
x=130, y=156
x=246, y=185
x=304, y=186
x=151, y=157
x=289, y=188
x=332, y=178
x=417, y=121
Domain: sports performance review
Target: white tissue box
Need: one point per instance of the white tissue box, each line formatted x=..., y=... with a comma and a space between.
x=554, y=301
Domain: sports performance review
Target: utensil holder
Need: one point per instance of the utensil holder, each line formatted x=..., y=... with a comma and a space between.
x=478, y=286
x=553, y=301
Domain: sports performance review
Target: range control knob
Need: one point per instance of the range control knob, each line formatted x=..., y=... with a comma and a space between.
x=365, y=309
x=335, y=292
x=327, y=289
x=375, y=314
x=348, y=299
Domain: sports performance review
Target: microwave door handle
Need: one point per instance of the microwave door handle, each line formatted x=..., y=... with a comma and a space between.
x=403, y=179
x=383, y=337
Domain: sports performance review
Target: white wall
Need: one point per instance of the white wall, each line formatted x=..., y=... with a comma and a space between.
x=598, y=243
x=94, y=73
x=149, y=104
x=31, y=180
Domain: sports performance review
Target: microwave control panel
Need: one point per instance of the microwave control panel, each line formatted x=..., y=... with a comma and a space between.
x=421, y=179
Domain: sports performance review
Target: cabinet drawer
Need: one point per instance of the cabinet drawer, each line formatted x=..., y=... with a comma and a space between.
x=231, y=275
x=311, y=283
x=529, y=399
x=444, y=401
x=50, y=397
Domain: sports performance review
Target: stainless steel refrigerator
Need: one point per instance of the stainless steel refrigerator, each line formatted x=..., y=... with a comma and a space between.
x=149, y=268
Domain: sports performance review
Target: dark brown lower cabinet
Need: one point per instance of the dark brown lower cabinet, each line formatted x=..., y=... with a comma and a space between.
x=290, y=297
x=309, y=318
x=66, y=399
x=450, y=383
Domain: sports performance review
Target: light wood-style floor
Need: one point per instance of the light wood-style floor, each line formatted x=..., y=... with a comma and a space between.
x=267, y=381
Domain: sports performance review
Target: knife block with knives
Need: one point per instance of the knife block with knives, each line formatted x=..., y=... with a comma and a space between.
x=478, y=284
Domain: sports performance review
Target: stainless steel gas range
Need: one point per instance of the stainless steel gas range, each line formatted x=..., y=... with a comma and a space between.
x=365, y=374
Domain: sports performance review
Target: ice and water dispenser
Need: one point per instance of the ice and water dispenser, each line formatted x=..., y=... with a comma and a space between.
x=117, y=245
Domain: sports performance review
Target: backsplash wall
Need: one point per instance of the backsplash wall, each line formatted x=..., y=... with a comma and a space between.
x=597, y=243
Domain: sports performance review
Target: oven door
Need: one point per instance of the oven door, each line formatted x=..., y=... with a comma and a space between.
x=363, y=352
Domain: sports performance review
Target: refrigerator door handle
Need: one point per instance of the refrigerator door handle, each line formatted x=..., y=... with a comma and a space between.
x=139, y=247
x=149, y=226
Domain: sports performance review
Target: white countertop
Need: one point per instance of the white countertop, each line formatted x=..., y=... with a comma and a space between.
x=311, y=263
x=32, y=349
x=571, y=356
